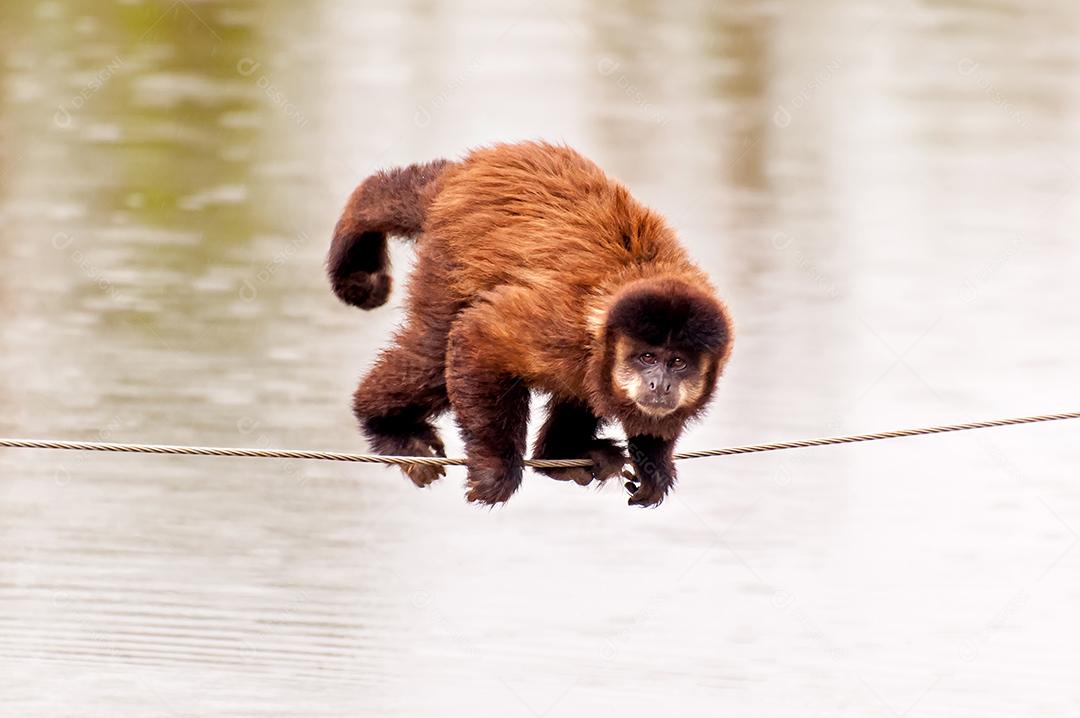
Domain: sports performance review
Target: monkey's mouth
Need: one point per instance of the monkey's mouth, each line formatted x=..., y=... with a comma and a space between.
x=656, y=405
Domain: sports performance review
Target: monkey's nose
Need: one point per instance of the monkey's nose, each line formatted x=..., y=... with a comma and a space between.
x=666, y=387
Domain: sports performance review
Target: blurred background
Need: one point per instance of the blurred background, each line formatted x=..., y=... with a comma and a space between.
x=887, y=195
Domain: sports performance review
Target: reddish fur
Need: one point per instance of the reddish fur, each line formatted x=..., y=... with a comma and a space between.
x=525, y=251
x=390, y=202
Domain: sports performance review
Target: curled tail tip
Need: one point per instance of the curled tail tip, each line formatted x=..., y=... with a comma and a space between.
x=366, y=290
x=390, y=202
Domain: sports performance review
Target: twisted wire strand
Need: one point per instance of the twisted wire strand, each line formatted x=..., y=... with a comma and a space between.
x=535, y=463
x=896, y=434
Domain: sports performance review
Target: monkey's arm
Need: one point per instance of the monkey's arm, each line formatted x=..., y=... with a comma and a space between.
x=570, y=433
x=654, y=469
x=490, y=401
x=499, y=347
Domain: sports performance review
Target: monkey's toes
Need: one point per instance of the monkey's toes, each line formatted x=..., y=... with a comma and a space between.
x=423, y=475
x=608, y=459
x=580, y=475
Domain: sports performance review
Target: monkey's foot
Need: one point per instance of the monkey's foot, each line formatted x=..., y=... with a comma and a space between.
x=423, y=475
x=420, y=474
x=490, y=487
x=580, y=475
x=608, y=459
x=643, y=493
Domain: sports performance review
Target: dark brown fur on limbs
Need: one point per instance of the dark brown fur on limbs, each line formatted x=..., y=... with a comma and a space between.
x=534, y=271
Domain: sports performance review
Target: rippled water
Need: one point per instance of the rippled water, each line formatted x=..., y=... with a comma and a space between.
x=887, y=197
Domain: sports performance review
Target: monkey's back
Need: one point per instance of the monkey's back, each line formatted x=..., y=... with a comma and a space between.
x=544, y=217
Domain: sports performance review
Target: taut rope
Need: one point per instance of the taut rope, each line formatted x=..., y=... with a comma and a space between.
x=536, y=463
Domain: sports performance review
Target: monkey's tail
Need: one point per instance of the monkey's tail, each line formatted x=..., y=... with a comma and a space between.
x=389, y=202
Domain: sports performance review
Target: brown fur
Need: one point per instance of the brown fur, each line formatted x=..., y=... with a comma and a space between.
x=525, y=250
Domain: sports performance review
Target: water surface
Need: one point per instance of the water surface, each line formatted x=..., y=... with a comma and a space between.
x=887, y=198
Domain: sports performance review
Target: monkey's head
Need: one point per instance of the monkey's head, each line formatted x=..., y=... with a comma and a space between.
x=665, y=343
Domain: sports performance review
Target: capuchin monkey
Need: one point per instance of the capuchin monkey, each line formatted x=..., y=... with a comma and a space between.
x=534, y=271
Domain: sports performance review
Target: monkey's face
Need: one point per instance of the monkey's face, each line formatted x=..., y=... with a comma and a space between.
x=658, y=379
x=665, y=341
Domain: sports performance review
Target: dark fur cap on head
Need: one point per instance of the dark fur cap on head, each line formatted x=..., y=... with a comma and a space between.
x=670, y=312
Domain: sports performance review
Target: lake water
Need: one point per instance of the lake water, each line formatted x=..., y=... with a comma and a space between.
x=887, y=197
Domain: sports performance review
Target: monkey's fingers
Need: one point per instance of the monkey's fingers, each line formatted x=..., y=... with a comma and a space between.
x=647, y=495
x=642, y=493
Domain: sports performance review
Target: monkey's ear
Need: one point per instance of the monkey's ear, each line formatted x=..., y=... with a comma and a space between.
x=671, y=312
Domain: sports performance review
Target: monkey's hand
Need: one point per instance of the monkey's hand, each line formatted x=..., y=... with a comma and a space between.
x=608, y=459
x=646, y=489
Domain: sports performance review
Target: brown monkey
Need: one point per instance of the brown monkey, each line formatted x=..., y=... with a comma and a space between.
x=534, y=271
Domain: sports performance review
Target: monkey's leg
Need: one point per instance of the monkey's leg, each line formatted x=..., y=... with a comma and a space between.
x=654, y=469
x=492, y=409
x=406, y=389
x=397, y=401
x=570, y=433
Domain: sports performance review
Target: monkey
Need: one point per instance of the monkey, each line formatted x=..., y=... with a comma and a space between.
x=534, y=271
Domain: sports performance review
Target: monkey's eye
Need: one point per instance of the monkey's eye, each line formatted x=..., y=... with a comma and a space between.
x=678, y=364
x=648, y=358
